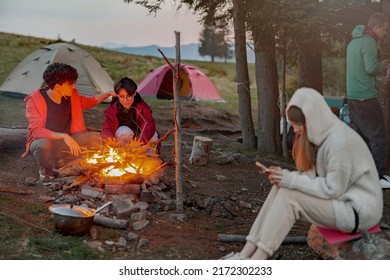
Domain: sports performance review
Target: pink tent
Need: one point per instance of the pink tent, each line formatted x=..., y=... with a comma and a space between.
x=195, y=85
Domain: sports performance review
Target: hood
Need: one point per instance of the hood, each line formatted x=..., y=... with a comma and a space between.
x=319, y=117
x=358, y=31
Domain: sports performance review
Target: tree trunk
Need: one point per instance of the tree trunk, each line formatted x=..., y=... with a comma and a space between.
x=383, y=83
x=268, y=94
x=243, y=84
x=310, y=65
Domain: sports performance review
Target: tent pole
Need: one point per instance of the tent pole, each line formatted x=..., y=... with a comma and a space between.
x=177, y=120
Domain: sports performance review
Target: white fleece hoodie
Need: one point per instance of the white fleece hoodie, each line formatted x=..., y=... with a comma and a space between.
x=346, y=172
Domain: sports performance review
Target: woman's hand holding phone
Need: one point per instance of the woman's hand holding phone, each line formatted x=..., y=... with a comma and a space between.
x=274, y=173
x=264, y=169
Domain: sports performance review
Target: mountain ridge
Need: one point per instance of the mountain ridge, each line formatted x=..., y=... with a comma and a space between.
x=187, y=51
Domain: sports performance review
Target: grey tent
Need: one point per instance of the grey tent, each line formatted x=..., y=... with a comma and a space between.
x=27, y=75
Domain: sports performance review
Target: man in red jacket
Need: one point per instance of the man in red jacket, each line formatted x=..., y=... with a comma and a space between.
x=55, y=116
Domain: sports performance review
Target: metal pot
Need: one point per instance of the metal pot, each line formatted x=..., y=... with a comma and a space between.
x=74, y=220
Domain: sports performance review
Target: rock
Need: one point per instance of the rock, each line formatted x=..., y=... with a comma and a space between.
x=124, y=208
x=142, y=243
x=177, y=217
x=244, y=204
x=140, y=224
x=221, y=177
x=131, y=236
x=376, y=247
x=122, y=242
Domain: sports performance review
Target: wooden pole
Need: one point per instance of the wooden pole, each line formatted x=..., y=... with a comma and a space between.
x=177, y=119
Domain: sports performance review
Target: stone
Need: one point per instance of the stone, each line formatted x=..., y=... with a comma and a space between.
x=177, y=217
x=138, y=216
x=131, y=236
x=122, y=189
x=92, y=192
x=146, y=196
x=375, y=246
x=124, y=208
x=140, y=224
x=142, y=243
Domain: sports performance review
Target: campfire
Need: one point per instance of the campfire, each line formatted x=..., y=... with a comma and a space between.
x=113, y=161
x=124, y=162
x=129, y=176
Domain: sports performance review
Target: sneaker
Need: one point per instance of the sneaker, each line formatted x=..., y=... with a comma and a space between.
x=385, y=184
x=233, y=256
x=46, y=174
x=386, y=177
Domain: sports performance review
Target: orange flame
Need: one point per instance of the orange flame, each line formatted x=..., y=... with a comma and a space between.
x=130, y=160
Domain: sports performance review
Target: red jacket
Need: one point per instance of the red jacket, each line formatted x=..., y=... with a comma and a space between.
x=36, y=114
x=143, y=117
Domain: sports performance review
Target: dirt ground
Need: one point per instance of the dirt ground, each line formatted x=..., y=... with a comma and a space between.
x=230, y=179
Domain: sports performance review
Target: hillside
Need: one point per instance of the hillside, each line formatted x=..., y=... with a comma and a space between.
x=16, y=47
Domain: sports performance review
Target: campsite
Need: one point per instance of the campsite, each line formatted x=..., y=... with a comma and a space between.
x=222, y=197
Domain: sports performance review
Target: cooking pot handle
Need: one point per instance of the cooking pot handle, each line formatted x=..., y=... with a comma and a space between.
x=102, y=207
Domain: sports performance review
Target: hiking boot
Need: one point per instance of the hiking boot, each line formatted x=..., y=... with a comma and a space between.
x=47, y=174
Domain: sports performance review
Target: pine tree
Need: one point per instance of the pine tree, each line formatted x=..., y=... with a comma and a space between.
x=213, y=43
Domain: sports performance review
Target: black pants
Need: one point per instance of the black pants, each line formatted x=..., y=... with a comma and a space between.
x=368, y=120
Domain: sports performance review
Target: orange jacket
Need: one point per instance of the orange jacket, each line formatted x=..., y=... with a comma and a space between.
x=36, y=114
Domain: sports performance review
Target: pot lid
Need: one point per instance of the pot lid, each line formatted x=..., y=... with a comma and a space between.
x=67, y=210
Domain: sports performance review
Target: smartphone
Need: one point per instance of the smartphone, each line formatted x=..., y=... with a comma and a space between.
x=263, y=167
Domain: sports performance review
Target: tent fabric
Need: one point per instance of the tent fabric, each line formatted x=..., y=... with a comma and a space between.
x=27, y=75
x=195, y=85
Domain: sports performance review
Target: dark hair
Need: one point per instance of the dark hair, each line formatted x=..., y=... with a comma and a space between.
x=295, y=114
x=129, y=86
x=59, y=73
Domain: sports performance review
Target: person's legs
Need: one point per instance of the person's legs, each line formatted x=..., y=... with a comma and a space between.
x=42, y=151
x=279, y=213
x=124, y=134
x=368, y=118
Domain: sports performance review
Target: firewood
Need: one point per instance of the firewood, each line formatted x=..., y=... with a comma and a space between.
x=9, y=190
x=110, y=222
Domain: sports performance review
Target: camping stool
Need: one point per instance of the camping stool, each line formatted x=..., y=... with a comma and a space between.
x=333, y=236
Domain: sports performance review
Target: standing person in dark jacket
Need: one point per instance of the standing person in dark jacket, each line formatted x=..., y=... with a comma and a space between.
x=365, y=111
x=128, y=115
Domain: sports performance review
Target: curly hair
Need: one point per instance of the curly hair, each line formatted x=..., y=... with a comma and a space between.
x=59, y=73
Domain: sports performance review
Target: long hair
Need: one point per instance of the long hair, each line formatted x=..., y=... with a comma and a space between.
x=303, y=152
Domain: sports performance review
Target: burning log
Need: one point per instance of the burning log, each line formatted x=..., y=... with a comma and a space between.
x=200, y=150
x=110, y=222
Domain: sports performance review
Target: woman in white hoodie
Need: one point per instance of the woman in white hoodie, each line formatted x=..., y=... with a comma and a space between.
x=336, y=184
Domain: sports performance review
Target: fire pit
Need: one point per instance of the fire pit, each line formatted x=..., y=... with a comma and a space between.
x=112, y=162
